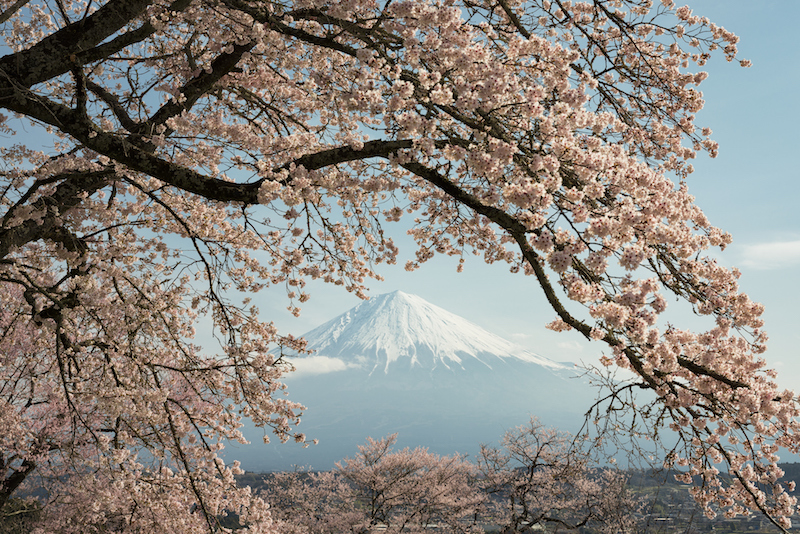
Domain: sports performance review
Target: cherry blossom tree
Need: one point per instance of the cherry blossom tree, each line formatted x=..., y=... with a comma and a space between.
x=181, y=153
x=542, y=476
x=537, y=476
x=398, y=491
x=323, y=502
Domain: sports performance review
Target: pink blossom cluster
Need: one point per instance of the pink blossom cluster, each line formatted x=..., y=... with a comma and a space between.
x=404, y=490
x=538, y=476
x=203, y=151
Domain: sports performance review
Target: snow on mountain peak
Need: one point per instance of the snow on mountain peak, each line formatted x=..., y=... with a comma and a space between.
x=405, y=331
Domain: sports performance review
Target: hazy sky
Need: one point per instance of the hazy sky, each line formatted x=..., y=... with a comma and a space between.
x=751, y=190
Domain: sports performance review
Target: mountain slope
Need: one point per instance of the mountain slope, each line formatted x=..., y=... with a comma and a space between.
x=398, y=330
x=397, y=363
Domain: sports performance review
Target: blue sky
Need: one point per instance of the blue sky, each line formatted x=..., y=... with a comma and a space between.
x=751, y=190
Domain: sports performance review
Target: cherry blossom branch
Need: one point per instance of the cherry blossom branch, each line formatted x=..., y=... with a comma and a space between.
x=50, y=57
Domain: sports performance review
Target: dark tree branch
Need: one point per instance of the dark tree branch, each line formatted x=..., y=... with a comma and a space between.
x=195, y=89
x=65, y=197
x=13, y=481
x=56, y=53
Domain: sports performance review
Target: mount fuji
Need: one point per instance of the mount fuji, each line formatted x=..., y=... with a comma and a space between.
x=402, y=332
x=397, y=363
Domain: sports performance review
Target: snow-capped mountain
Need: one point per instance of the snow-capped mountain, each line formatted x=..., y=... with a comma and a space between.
x=397, y=363
x=398, y=330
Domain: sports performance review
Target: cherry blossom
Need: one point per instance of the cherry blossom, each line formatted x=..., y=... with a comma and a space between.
x=396, y=491
x=537, y=476
x=543, y=476
x=189, y=152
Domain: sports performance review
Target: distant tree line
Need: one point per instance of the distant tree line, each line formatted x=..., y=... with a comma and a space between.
x=538, y=480
x=538, y=477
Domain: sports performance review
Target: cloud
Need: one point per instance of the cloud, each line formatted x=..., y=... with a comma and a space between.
x=317, y=365
x=768, y=256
